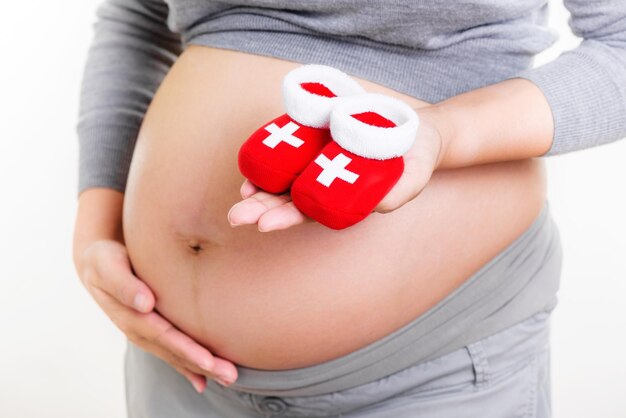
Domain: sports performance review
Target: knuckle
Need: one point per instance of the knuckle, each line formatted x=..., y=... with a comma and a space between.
x=126, y=328
x=89, y=276
x=159, y=336
x=182, y=349
x=135, y=338
x=170, y=359
x=97, y=258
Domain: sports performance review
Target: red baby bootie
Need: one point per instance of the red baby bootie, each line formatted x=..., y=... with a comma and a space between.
x=274, y=155
x=353, y=173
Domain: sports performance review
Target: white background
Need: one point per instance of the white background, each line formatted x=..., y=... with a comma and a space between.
x=60, y=356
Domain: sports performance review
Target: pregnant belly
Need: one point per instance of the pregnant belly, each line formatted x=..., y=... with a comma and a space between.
x=294, y=298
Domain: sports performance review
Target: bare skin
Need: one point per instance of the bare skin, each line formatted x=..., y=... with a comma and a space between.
x=304, y=294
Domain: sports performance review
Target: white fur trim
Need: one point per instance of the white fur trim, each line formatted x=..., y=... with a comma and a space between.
x=312, y=109
x=373, y=141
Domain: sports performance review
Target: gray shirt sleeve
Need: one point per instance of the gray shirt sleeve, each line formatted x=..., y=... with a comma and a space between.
x=586, y=87
x=133, y=49
x=131, y=52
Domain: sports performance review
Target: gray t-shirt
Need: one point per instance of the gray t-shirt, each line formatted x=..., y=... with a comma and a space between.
x=428, y=49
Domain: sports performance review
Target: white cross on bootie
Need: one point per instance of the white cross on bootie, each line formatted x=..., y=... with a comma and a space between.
x=284, y=134
x=335, y=168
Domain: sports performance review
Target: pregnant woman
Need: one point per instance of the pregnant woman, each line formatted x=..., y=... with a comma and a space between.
x=436, y=305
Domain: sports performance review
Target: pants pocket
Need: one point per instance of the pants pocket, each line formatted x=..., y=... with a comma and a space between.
x=517, y=392
x=506, y=375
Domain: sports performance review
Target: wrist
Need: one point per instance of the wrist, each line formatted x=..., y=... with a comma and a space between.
x=439, y=118
x=507, y=121
x=99, y=217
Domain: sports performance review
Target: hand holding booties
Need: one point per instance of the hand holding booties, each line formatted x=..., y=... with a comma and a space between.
x=353, y=173
x=337, y=148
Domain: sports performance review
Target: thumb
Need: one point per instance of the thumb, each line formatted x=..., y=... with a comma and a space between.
x=120, y=282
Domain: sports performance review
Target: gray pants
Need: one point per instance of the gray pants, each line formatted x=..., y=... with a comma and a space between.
x=504, y=375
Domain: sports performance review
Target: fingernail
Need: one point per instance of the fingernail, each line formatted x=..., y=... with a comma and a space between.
x=223, y=371
x=266, y=228
x=140, y=302
x=223, y=381
x=197, y=387
x=228, y=217
x=227, y=377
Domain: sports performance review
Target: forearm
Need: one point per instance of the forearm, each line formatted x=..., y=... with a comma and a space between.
x=510, y=120
x=574, y=102
x=99, y=216
x=131, y=52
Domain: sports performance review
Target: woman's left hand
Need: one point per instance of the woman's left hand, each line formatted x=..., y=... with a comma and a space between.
x=273, y=212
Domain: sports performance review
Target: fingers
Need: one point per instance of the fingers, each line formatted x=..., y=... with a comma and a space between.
x=196, y=377
x=155, y=334
x=165, y=335
x=197, y=380
x=282, y=217
x=110, y=280
x=248, y=189
x=250, y=210
x=270, y=211
x=114, y=276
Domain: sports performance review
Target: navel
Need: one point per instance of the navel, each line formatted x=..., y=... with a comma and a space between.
x=195, y=246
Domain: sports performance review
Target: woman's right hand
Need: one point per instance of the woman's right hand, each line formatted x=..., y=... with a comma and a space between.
x=105, y=270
